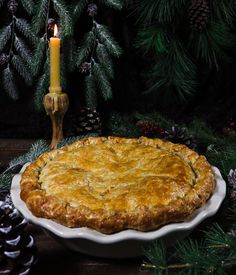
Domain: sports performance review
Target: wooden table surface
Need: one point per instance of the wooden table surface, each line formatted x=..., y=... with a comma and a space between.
x=53, y=257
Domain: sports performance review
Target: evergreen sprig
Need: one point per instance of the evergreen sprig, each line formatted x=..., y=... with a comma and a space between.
x=173, y=70
x=213, y=44
x=162, y=11
x=214, y=254
x=16, y=42
x=97, y=49
x=163, y=21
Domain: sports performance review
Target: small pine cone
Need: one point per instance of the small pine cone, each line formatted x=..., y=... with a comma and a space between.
x=198, y=14
x=50, y=27
x=12, y=6
x=180, y=135
x=147, y=128
x=85, y=68
x=17, y=251
x=88, y=121
x=92, y=9
x=4, y=58
x=232, y=178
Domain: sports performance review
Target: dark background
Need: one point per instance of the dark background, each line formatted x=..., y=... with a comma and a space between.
x=214, y=100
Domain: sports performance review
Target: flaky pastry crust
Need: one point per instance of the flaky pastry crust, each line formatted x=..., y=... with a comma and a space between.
x=111, y=184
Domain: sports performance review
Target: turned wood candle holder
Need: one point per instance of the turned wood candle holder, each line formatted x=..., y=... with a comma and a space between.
x=56, y=106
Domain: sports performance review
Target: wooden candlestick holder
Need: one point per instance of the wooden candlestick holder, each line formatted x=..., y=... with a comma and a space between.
x=56, y=106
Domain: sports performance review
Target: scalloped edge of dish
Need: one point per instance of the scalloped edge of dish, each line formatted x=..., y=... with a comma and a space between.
x=209, y=209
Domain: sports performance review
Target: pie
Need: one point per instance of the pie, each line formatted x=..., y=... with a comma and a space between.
x=111, y=184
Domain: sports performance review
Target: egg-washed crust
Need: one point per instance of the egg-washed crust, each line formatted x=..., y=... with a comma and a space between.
x=109, y=219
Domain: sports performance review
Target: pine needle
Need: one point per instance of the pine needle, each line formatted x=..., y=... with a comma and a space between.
x=105, y=60
x=9, y=85
x=5, y=35
x=28, y=5
x=174, y=70
x=212, y=44
x=79, y=7
x=24, y=27
x=23, y=50
x=40, y=15
x=37, y=149
x=22, y=69
x=106, y=38
x=114, y=4
x=5, y=182
x=85, y=47
x=65, y=16
x=102, y=82
x=39, y=56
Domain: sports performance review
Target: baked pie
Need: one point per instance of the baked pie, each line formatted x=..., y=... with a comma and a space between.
x=111, y=184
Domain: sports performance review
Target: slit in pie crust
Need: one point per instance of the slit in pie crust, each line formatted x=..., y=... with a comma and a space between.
x=111, y=184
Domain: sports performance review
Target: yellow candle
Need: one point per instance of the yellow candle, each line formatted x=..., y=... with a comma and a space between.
x=55, y=85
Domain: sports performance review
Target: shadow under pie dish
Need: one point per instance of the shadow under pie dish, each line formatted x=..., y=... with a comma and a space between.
x=112, y=184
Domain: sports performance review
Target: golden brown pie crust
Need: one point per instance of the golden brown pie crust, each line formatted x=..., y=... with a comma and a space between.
x=111, y=184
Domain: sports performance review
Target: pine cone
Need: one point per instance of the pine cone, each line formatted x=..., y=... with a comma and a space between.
x=147, y=128
x=50, y=27
x=85, y=68
x=12, y=6
x=198, y=14
x=17, y=251
x=88, y=121
x=232, y=178
x=92, y=9
x=179, y=135
x=4, y=58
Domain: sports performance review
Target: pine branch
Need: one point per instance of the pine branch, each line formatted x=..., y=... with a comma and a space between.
x=39, y=56
x=212, y=44
x=37, y=149
x=102, y=82
x=174, y=70
x=28, y=5
x=224, y=11
x=5, y=35
x=153, y=39
x=79, y=7
x=105, y=60
x=40, y=15
x=65, y=16
x=107, y=39
x=9, y=85
x=90, y=91
x=22, y=69
x=156, y=253
x=161, y=11
x=23, y=50
x=22, y=25
x=5, y=182
x=85, y=48
x=216, y=237
x=115, y=4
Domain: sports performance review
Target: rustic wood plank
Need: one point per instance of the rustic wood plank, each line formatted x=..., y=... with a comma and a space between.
x=11, y=148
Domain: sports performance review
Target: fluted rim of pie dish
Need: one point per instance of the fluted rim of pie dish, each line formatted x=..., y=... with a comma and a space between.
x=207, y=210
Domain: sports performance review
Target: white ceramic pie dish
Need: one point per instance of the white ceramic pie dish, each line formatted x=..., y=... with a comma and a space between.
x=127, y=243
